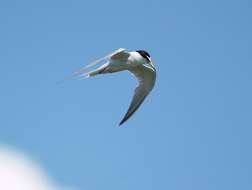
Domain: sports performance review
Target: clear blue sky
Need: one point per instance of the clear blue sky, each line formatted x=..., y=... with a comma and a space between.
x=194, y=130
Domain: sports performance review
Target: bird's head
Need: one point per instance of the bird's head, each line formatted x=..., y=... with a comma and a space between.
x=147, y=57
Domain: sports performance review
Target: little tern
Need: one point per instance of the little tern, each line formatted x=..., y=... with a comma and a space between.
x=138, y=63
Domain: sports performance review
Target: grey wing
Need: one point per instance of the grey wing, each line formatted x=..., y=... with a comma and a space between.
x=146, y=77
x=119, y=53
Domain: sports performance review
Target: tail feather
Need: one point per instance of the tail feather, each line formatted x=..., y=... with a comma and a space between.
x=92, y=73
x=84, y=74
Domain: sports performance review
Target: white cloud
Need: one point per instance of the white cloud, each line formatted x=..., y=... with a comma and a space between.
x=17, y=172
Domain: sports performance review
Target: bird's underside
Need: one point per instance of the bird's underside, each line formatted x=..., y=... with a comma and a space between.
x=119, y=61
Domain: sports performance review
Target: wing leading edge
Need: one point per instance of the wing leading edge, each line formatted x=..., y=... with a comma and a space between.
x=146, y=77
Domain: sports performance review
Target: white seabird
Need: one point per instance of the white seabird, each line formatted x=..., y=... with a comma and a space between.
x=138, y=62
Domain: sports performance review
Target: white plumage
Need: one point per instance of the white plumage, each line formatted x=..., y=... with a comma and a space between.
x=137, y=62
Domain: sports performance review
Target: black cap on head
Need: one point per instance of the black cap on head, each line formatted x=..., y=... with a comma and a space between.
x=144, y=54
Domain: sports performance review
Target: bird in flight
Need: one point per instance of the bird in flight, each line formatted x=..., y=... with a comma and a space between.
x=138, y=63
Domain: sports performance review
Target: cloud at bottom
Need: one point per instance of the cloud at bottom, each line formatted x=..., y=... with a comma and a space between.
x=18, y=172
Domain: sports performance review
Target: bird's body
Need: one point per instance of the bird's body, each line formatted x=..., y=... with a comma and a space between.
x=138, y=63
x=120, y=62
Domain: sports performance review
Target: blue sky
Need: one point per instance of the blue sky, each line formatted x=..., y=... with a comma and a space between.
x=194, y=130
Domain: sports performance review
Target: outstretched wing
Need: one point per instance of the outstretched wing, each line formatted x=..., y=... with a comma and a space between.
x=114, y=55
x=119, y=55
x=146, y=77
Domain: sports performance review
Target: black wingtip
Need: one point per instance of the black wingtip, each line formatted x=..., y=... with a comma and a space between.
x=123, y=121
x=120, y=124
